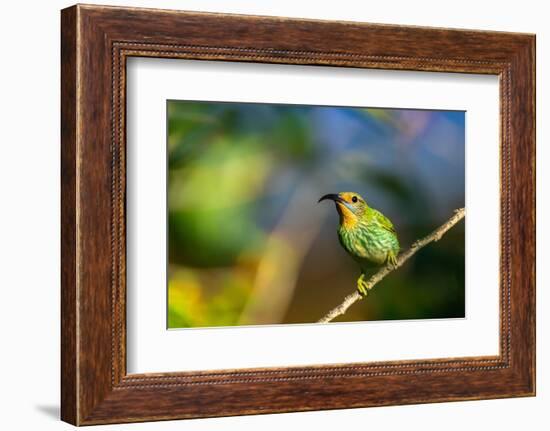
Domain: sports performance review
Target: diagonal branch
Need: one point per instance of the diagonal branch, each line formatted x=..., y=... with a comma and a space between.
x=402, y=258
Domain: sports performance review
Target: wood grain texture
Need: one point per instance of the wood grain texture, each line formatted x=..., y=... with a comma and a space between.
x=69, y=370
x=96, y=41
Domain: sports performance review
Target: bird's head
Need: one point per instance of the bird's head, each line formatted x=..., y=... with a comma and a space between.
x=350, y=206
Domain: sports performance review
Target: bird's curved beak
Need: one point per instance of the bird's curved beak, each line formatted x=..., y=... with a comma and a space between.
x=340, y=203
x=333, y=197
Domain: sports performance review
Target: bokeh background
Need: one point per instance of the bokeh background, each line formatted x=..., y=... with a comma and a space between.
x=248, y=242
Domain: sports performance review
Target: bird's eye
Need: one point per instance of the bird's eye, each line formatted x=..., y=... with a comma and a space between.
x=354, y=199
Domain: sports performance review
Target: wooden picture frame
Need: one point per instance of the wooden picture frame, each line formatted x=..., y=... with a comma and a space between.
x=95, y=43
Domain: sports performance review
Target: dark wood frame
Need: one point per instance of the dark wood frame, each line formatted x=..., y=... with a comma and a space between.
x=95, y=43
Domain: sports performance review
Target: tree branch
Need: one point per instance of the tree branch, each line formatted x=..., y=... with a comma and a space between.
x=401, y=259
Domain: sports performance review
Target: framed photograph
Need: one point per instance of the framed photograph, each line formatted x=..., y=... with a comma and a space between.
x=263, y=215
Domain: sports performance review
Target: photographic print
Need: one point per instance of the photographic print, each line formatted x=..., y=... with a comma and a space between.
x=277, y=213
x=229, y=195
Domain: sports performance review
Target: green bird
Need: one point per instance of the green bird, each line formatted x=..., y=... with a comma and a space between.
x=365, y=233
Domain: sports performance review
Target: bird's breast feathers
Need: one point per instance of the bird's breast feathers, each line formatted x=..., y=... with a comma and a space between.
x=368, y=242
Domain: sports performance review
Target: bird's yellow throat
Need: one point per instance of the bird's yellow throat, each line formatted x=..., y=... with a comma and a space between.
x=348, y=219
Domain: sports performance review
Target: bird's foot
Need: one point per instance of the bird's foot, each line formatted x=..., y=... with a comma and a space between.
x=392, y=261
x=362, y=286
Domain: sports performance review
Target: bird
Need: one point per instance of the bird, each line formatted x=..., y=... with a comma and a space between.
x=365, y=233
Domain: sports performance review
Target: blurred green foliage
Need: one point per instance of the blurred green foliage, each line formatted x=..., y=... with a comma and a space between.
x=247, y=242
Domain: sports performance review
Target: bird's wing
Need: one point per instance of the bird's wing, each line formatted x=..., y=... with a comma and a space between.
x=384, y=222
